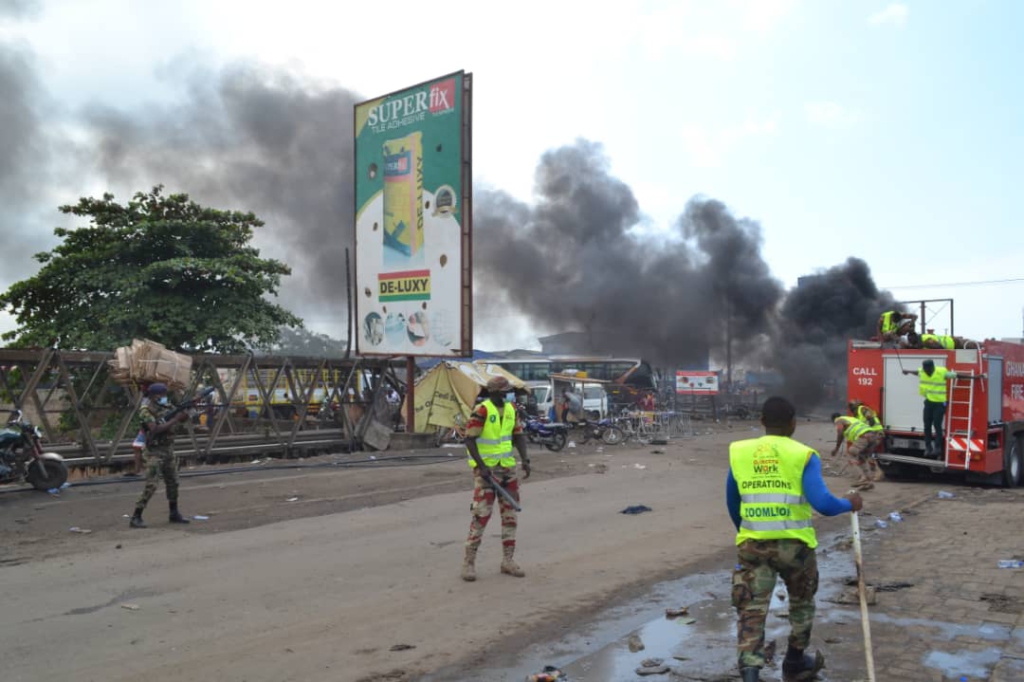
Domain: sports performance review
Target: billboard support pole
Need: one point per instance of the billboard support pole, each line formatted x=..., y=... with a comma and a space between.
x=410, y=394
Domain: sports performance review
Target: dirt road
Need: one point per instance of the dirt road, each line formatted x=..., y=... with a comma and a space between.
x=324, y=586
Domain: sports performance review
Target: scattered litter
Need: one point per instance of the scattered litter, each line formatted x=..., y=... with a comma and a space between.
x=852, y=596
x=895, y=516
x=571, y=444
x=675, y=613
x=402, y=647
x=636, y=509
x=255, y=461
x=635, y=643
x=125, y=516
x=76, y=529
x=201, y=517
x=292, y=499
x=54, y=491
x=373, y=456
x=657, y=452
x=130, y=607
x=1011, y=563
x=943, y=495
x=639, y=466
x=65, y=485
x=549, y=674
x=882, y=587
x=659, y=669
x=879, y=523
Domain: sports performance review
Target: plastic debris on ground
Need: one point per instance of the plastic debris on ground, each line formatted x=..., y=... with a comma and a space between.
x=639, y=466
x=402, y=647
x=571, y=444
x=653, y=666
x=292, y=499
x=635, y=643
x=636, y=509
x=201, y=517
x=879, y=523
x=549, y=674
x=895, y=516
x=943, y=495
x=130, y=607
x=675, y=613
x=1011, y=563
x=76, y=529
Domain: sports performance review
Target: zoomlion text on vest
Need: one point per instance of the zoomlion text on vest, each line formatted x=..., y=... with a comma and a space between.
x=776, y=485
x=766, y=512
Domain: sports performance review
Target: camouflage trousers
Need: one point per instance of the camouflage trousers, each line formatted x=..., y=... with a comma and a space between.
x=753, y=582
x=860, y=451
x=483, y=506
x=159, y=461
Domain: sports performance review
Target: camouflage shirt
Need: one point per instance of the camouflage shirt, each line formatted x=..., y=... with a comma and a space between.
x=151, y=414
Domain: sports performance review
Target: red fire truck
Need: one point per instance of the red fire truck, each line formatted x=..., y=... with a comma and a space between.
x=984, y=423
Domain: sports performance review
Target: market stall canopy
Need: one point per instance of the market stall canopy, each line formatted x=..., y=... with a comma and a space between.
x=446, y=394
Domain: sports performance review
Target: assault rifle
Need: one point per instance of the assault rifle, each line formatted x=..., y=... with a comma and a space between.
x=189, y=404
x=504, y=493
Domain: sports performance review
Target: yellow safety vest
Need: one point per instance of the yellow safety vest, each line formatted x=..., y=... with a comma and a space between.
x=933, y=387
x=888, y=326
x=495, y=442
x=856, y=428
x=944, y=341
x=769, y=474
x=862, y=415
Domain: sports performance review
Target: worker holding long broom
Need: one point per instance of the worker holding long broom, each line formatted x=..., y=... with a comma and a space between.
x=774, y=482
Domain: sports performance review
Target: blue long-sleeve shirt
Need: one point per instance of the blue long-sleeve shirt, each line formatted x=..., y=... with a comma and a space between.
x=815, y=490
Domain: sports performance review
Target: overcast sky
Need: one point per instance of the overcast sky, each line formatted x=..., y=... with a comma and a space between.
x=887, y=131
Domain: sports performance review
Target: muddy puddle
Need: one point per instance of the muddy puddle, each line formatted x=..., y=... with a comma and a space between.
x=701, y=644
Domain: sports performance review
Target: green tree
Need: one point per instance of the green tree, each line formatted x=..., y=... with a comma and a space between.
x=161, y=268
x=305, y=342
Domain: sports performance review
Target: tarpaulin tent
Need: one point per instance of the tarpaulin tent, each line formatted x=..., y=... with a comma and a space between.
x=449, y=390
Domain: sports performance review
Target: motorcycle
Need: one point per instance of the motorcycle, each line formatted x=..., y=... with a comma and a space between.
x=551, y=436
x=603, y=429
x=22, y=457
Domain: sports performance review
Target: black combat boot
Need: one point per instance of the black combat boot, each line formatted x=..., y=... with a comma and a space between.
x=137, y=521
x=175, y=516
x=798, y=666
x=750, y=674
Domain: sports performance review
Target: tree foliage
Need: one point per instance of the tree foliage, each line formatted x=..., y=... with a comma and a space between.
x=161, y=267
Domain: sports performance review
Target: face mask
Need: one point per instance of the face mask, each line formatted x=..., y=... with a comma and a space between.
x=162, y=400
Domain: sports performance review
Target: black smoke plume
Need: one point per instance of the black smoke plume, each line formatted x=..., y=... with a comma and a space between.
x=817, y=319
x=255, y=139
x=574, y=260
x=27, y=168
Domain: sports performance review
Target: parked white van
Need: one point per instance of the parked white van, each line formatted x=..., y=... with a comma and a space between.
x=595, y=399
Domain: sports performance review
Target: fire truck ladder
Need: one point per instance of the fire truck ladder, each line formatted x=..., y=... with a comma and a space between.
x=961, y=409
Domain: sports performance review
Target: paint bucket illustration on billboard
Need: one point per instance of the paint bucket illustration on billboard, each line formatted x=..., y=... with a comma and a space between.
x=403, y=194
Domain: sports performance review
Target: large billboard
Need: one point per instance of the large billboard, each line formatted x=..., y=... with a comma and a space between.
x=413, y=220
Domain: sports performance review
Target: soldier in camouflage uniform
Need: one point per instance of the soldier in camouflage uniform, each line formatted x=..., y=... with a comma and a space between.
x=159, y=453
x=774, y=482
x=491, y=433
